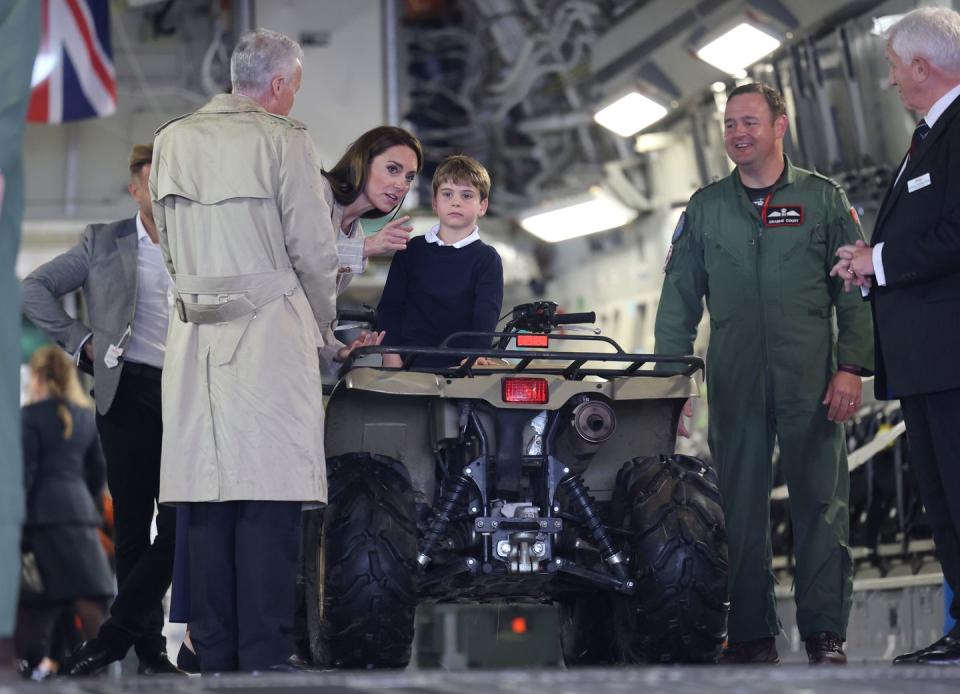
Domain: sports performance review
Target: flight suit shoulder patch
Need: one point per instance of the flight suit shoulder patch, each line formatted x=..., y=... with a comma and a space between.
x=677, y=233
x=678, y=230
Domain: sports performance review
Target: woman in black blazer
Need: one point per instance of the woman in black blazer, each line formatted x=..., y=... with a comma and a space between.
x=64, y=474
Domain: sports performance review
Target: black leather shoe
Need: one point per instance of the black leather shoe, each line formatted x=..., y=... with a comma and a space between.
x=755, y=652
x=158, y=664
x=295, y=664
x=946, y=651
x=825, y=648
x=90, y=659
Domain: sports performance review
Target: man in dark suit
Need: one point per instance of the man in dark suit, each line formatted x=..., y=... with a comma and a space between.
x=126, y=288
x=911, y=274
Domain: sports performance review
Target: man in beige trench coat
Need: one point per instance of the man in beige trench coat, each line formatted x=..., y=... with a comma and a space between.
x=236, y=200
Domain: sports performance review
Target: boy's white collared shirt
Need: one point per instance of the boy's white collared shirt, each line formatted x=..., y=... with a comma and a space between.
x=433, y=236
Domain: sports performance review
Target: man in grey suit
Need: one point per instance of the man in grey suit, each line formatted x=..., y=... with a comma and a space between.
x=126, y=288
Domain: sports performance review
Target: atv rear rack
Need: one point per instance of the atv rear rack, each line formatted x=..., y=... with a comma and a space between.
x=576, y=369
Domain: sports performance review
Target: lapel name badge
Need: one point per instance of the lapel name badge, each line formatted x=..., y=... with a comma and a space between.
x=784, y=216
x=112, y=357
x=919, y=182
x=115, y=351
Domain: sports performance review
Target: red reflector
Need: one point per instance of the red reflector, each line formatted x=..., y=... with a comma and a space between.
x=518, y=625
x=532, y=390
x=533, y=340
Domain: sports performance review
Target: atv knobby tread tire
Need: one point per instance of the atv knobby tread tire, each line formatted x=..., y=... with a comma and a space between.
x=585, y=634
x=370, y=540
x=308, y=630
x=677, y=554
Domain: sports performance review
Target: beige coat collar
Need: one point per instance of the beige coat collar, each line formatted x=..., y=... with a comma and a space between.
x=231, y=103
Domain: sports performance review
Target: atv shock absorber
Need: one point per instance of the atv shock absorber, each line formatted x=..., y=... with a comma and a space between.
x=445, y=509
x=582, y=503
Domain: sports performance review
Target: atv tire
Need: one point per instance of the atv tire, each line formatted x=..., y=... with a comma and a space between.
x=309, y=629
x=367, y=562
x=677, y=556
x=585, y=634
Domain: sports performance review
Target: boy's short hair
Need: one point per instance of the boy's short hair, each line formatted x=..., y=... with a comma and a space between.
x=459, y=168
x=140, y=156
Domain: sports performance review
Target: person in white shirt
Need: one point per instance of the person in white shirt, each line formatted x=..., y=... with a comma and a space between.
x=126, y=288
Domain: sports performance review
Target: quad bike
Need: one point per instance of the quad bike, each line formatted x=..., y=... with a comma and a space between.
x=546, y=478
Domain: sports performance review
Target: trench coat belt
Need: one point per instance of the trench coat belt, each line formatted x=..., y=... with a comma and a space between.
x=239, y=295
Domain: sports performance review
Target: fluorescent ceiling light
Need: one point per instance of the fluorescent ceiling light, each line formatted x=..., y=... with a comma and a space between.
x=630, y=114
x=586, y=215
x=739, y=48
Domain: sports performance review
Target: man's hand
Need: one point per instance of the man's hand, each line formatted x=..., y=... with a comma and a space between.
x=843, y=396
x=392, y=237
x=85, y=358
x=855, y=266
x=686, y=412
x=366, y=339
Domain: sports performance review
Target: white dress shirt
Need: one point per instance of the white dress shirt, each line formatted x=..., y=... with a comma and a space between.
x=942, y=104
x=148, y=334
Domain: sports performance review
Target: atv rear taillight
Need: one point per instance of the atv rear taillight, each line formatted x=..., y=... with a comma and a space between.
x=533, y=340
x=529, y=390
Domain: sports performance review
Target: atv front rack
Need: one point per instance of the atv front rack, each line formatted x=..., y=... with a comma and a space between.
x=614, y=364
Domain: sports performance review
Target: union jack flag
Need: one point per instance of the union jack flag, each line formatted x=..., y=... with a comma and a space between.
x=73, y=76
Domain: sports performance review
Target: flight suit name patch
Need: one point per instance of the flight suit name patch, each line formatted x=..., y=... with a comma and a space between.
x=783, y=216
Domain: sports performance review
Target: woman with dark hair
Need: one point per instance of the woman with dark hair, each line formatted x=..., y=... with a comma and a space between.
x=372, y=178
x=373, y=175
x=64, y=474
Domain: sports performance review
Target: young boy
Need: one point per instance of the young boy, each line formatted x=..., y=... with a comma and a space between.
x=448, y=280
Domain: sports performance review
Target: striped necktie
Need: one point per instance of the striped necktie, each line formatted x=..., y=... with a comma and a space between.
x=918, y=134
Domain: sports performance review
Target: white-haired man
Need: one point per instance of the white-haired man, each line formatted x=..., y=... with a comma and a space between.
x=235, y=190
x=911, y=273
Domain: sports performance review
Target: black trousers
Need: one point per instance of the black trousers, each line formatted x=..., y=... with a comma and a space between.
x=933, y=431
x=131, y=433
x=243, y=569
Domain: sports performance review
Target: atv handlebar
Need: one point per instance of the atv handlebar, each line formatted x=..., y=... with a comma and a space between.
x=571, y=318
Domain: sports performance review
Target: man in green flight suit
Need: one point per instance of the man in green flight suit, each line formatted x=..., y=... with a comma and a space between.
x=787, y=351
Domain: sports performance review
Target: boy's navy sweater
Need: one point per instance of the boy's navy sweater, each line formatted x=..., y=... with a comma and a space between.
x=433, y=291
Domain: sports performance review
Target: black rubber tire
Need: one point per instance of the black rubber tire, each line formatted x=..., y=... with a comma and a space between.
x=310, y=631
x=677, y=555
x=585, y=634
x=369, y=538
